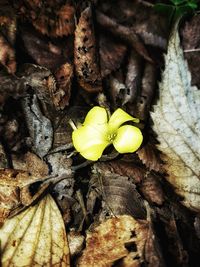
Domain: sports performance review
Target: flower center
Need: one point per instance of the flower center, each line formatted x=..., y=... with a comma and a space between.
x=111, y=137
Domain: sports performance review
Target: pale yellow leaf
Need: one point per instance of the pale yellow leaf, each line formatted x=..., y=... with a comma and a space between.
x=35, y=237
x=176, y=119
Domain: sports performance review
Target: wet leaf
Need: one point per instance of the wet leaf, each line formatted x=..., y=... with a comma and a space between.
x=109, y=242
x=85, y=53
x=35, y=237
x=177, y=123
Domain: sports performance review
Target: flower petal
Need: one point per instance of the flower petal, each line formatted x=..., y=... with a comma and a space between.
x=87, y=136
x=96, y=116
x=128, y=139
x=118, y=118
x=94, y=152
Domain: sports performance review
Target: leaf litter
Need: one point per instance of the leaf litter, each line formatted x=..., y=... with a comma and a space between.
x=125, y=210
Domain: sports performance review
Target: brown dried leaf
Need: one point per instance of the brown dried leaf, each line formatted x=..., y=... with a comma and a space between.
x=125, y=33
x=43, y=50
x=53, y=20
x=61, y=95
x=176, y=247
x=133, y=76
x=118, y=92
x=118, y=194
x=7, y=55
x=31, y=163
x=12, y=183
x=109, y=241
x=122, y=168
x=35, y=237
x=190, y=40
x=146, y=95
x=152, y=190
x=85, y=54
x=111, y=54
x=149, y=156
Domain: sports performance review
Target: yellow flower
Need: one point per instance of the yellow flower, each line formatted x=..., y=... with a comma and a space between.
x=98, y=132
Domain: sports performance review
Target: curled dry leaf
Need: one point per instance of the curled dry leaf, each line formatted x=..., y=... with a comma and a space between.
x=61, y=95
x=109, y=241
x=118, y=92
x=85, y=53
x=119, y=194
x=133, y=76
x=176, y=120
x=35, y=237
x=147, y=91
x=111, y=54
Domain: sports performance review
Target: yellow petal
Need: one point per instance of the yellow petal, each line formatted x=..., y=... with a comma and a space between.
x=96, y=116
x=94, y=152
x=118, y=118
x=128, y=139
x=87, y=136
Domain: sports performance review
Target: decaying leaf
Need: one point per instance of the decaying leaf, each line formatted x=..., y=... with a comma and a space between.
x=111, y=54
x=15, y=192
x=151, y=189
x=35, y=237
x=108, y=242
x=54, y=19
x=119, y=193
x=133, y=76
x=85, y=54
x=40, y=127
x=149, y=155
x=7, y=55
x=43, y=50
x=61, y=95
x=176, y=120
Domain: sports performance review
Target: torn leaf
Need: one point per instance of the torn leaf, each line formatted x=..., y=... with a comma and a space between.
x=176, y=120
x=109, y=242
x=35, y=237
x=85, y=54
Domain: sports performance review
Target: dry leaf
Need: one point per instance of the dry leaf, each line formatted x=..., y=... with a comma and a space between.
x=109, y=241
x=35, y=237
x=119, y=194
x=85, y=54
x=111, y=54
x=15, y=191
x=61, y=95
x=176, y=120
x=151, y=189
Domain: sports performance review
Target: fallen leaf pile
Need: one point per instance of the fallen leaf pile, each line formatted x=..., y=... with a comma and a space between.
x=60, y=205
